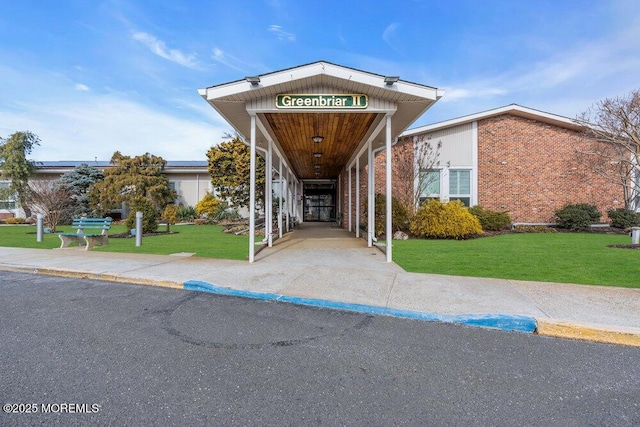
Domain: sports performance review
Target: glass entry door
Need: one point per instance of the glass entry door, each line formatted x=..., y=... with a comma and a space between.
x=319, y=207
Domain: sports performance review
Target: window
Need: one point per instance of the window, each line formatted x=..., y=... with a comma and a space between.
x=429, y=184
x=6, y=203
x=460, y=185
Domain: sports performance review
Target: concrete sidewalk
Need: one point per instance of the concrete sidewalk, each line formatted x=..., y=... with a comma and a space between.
x=332, y=271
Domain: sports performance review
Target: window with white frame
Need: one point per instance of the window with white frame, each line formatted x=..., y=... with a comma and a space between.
x=6, y=202
x=460, y=185
x=429, y=184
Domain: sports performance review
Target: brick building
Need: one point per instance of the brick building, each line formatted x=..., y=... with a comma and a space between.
x=512, y=159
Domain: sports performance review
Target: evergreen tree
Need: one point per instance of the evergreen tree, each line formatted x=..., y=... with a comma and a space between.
x=78, y=182
x=15, y=166
x=132, y=177
x=229, y=167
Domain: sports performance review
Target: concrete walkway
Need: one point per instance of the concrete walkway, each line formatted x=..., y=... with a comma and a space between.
x=326, y=266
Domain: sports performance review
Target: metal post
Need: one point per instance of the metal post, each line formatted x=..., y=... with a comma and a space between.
x=138, y=228
x=349, y=202
x=287, y=203
x=388, y=232
x=357, y=196
x=635, y=235
x=269, y=196
x=280, y=198
x=39, y=227
x=252, y=191
x=371, y=207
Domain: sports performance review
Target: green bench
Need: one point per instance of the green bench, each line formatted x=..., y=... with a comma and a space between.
x=89, y=232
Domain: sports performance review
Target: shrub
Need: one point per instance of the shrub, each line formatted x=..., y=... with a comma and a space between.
x=623, y=218
x=399, y=215
x=534, y=229
x=208, y=206
x=491, y=220
x=149, y=216
x=577, y=217
x=15, y=220
x=451, y=220
x=170, y=214
x=226, y=214
x=187, y=214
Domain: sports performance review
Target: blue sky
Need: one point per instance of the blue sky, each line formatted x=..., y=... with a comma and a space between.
x=91, y=77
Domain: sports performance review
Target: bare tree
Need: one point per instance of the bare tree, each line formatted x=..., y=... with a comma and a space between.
x=413, y=157
x=612, y=133
x=50, y=199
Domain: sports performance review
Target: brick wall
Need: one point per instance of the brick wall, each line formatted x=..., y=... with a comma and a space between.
x=344, y=191
x=530, y=169
x=402, y=180
x=525, y=167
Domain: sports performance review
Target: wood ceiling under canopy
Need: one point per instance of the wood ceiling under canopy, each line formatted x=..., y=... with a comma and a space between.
x=341, y=132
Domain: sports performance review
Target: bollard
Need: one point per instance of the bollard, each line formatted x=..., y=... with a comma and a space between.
x=138, y=228
x=39, y=227
x=635, y=235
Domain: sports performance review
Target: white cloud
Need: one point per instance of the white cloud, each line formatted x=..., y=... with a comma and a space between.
x=81, y=87
x=456, y=94
x=565, y=82
x=160, y=48
x=281, y=34
x=229, y=60
x=102, y=125
x=389, y=33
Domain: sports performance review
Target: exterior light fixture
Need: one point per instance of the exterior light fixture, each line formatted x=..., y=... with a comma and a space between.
x=317, y=139
x=255, y=81
x=317, y=174
x=317, y=154
x=317, y=166
x=390, y=80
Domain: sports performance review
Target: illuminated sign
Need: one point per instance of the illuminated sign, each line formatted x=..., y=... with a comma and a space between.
x=348, y=101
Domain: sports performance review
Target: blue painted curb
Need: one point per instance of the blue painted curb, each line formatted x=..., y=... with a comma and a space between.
x=502, y=322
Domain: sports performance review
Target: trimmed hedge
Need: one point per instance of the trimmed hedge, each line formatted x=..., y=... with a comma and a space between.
x=623, y=218
x=534, y=229
x=451, y=220
x=491, y=220
x=577, y=217
x=149, y=215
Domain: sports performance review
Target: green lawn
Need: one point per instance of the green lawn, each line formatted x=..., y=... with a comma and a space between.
x=204, y=240
x=582, y=258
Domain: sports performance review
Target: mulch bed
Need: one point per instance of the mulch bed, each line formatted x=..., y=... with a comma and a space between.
x=624, y=246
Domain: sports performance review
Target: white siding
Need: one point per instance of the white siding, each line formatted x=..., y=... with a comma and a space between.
x=458, y=151
x=456, y=145
x=191, y=187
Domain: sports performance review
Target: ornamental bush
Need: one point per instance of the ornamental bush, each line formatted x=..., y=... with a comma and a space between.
x=623, y=218
x=450, y=220
x=399, y=215
x=15, y=220
x=491, y=220
x=149, y=216
x=209, y=206
x=170, y=214
x=187, y=214
x=577, y=217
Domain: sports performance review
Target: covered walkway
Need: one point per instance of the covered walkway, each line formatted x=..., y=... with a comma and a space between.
x=322, y=250
x=322, y=243
x=318, y=127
